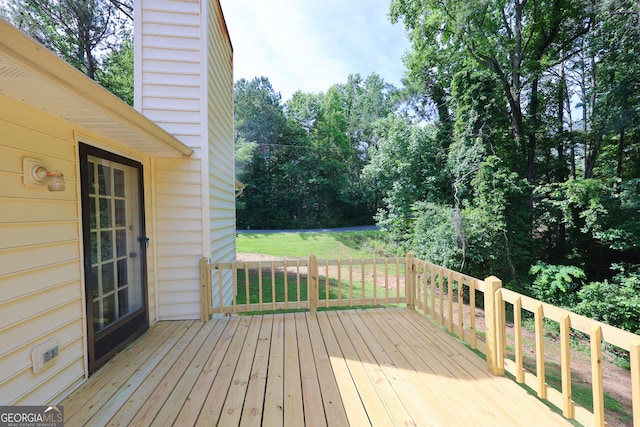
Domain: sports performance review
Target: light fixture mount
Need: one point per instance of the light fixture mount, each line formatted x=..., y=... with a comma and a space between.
x=35, y=174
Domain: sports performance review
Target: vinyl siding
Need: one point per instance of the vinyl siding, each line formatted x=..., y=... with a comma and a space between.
x=179, y=237
x=169, y=61
x=40, y=273
x=188, y=90
x=222, y=226
x=41, y=279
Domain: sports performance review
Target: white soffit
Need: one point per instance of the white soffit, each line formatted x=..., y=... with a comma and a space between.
x=32, y=74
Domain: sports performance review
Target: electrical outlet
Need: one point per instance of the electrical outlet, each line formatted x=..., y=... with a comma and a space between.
x=43, y=354
x=50, y=354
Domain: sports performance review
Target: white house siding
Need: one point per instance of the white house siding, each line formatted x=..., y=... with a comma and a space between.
x=40, y=273
x=168, y=67
x=188, y=90
x=41, y=277
x=221, y=148
x=179, y=237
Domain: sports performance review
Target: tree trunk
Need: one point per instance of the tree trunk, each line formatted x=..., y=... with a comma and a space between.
x=532, y=139
x=620, y=153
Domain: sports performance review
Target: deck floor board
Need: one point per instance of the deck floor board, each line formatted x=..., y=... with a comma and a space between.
x=378, y=367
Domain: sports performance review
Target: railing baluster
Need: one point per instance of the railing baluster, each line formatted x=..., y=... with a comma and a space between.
x=246, y=287
x=339, y=283
x=433, y=291
x=398, y=281
x=286, y=284
x=596, y=375
x=326, y=286
x=234, y=284
x=634, y=358
x=460, y=307
x=425, y=286
x=386, y=281
x=260, y=283
x=350, y=283
x=441, y=296
x=375, y=284
x=220, y=290
x=273, y=285
x=298, y=281
x=517, y=325
x=472, y=312
x=540, y=371
x=565, y=366
x=362, y=274
x=450, y=299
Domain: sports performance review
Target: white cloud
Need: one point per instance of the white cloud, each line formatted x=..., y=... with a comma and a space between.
x=309, y=45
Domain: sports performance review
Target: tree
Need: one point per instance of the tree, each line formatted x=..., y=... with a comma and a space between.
x=116, y=73
x=516, y=40
x=79, y=31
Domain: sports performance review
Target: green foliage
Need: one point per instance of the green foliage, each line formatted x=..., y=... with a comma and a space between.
x=80, y=32
x=556, y=284
x=434, y=236
x=615, y=301
x=301, y=162
x=116, y=73
x=496, y=223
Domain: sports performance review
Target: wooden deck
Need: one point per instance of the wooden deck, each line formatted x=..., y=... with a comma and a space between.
x=381, y=367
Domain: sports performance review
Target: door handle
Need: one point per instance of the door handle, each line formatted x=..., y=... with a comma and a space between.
x=133, y=254
x=145, y=240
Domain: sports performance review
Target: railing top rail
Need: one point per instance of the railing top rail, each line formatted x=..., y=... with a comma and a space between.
x=466, y=279
x=305, y=261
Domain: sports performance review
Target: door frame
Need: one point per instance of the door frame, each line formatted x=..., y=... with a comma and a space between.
x=122, y=333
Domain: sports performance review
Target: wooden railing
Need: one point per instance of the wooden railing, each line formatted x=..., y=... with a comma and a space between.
x=450, y=298
x=301, y=284
x=570, y=323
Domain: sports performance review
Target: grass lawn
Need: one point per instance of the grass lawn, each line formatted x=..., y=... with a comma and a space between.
x=351, y=244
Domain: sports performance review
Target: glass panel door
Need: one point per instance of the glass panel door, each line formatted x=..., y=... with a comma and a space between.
x=115, y=270
x=114, y=228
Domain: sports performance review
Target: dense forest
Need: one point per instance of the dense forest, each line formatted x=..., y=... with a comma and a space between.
x=512, y=148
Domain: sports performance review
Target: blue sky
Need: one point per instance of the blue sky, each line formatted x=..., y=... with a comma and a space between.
x=309, y=45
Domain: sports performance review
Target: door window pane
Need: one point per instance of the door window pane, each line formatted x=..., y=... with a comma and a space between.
x=123, y=301
x=123, y=271
x=91, y=178
x=109, y=310
x=92, y=213
x=105, y=213
x=106, y=245
x=97, y=316
x=104, y=180
x=108, y=282
x=121, y=243
x=118, y=182
x=94, y=279
x=121, y=213
x=94, y=248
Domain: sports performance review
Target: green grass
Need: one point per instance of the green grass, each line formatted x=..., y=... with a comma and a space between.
x=352, y=244
x=334, y=291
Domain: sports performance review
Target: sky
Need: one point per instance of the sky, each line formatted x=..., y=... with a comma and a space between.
x=309, y=45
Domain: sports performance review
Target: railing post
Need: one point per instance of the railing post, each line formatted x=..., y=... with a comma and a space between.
x=204, y=288
x=494, y=323
x=312, y=291
x=409, y=288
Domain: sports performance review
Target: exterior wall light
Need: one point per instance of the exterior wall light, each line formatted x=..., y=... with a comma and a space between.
x=34, y=173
